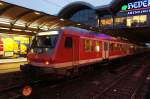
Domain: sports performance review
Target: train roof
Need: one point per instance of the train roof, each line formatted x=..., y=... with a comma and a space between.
x=77, y=29
x=88, y=32
x=84, y=32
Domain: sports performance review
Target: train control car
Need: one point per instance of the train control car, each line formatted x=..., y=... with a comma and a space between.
x=69, y=48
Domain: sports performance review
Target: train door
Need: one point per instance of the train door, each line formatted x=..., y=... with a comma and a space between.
x=76, y=41
x=105, y=50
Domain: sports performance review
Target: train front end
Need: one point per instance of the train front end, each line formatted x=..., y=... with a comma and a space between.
x=42, y=51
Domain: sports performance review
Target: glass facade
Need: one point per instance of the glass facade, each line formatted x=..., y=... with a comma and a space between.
x=137, y=21
x=126, y=21
x=86, y=16
x=14, y=46
x=121, y=19
x=108, y=22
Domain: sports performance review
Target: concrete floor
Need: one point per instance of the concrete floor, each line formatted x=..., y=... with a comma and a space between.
x=11, y=65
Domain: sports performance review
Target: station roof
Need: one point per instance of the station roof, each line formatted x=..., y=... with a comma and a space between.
x=25, y=20
x=20, y=20
x=54, y=7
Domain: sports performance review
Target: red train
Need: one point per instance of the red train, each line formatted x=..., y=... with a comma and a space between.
x=70, y=48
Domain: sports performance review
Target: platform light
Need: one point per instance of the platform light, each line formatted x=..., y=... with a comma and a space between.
x=78, y=24
x=16, y=29
x=1, y=4
x=37, y=13
x=91, y=27
x=28, y=31
x=20, y=24
x=34, y=27
x=3, y=28
x=5, y=20
x=131, y=46
x=62, y=19
x=48, y=33
x=45, y=28
x=34, y=32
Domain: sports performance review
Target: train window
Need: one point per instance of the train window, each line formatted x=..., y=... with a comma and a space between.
x=97, y=47
x=88, y=45
x=106, y=45
x=68, y=42
x=111, y=46
x=115, y=46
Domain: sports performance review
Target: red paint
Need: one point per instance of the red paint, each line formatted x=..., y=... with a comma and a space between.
x=77, y=52
x=1, y=47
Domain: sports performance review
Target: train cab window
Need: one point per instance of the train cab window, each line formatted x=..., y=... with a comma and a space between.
x=68, y=42
x=113, y=46
x=88, y=45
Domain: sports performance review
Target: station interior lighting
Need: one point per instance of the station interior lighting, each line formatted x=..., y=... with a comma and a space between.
x=34, y=32
x=5, y=21
x=16, y=29
x=28, y=31
x=45, y=28
x=33, y=26
x=148, y=45
x=62, y=19
x=78, y=24
x=22, y=24
x=48, y=33
x=3, y=28
x=37, y=13
x=91, y=27
x=1, y=4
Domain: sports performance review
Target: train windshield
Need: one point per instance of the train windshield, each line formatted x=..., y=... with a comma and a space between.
x=45, y=40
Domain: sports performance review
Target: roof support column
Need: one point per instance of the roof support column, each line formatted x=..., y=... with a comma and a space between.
x=113, y=17
x=100, y=25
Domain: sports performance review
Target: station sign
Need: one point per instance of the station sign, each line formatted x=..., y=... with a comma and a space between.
x=137, y=7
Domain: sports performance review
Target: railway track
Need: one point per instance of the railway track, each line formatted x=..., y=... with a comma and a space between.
x=16, y=91
x=106, y=85
x=126, y=86
x=105, y=79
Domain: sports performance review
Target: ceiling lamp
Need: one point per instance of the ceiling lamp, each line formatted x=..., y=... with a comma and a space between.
x=1, y=4
x=62, y=19
x=37, y=13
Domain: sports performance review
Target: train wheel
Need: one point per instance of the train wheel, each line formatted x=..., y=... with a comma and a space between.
x=90, y=68
x=68, y=73
x=72, y=73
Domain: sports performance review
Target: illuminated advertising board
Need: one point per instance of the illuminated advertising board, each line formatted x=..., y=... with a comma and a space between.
x=137, y=7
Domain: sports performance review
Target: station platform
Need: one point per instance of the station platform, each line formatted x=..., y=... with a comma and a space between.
x=11, y=65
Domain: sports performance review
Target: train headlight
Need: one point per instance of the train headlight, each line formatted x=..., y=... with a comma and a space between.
x=26, y=91
x=47, y=62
